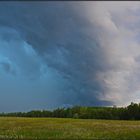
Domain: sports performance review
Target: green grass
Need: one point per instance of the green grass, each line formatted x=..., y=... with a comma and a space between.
x=53, y=128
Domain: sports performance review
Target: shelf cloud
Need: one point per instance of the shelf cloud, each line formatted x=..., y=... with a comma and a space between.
x=54, y=54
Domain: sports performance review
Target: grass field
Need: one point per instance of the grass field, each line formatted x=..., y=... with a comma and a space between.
x=53, y=128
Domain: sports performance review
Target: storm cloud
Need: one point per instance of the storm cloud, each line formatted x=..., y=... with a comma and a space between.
x=68, y=53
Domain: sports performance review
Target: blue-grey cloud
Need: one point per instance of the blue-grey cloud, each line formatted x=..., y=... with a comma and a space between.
x=55, y=53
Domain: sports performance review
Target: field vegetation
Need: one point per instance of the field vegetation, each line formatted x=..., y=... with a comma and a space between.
x=96, y=123
x=66, y=128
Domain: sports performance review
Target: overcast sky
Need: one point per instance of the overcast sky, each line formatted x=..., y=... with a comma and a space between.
x=55, y=54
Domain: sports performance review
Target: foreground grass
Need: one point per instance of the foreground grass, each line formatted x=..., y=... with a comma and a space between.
x=53, y=128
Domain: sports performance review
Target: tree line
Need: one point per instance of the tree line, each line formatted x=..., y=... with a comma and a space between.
x=131, y=112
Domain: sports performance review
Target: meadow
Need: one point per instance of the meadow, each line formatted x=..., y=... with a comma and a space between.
x=64, y=128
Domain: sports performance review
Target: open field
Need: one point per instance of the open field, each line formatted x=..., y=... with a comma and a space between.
x=53, y=128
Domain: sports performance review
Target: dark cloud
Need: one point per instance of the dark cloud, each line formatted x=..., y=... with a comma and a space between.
x=65, y=48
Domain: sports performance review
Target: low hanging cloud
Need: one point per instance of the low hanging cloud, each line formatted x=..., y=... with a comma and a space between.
x=118, y=31
x=73, y=53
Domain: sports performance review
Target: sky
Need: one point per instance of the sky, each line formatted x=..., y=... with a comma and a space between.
x=55, y=54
